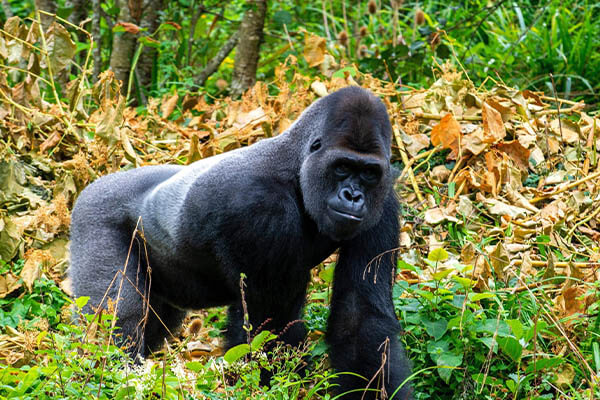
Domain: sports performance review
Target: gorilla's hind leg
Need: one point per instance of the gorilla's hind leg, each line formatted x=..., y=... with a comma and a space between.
x=162, y=322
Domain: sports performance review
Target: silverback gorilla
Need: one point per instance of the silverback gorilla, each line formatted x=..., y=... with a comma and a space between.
x=271, y=211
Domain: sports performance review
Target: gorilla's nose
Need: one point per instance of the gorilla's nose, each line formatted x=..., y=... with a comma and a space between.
x=353, y=198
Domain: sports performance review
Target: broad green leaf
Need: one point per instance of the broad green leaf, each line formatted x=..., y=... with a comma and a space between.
x=448, y=362
x=465, y=282
x=543, y=363
x=516, y=327
x=425, y=294
x=436, y=328
x=148, y=41
x=82, y=301
x=480, y=296
x=326, y=274
x=492, y=327
x=403, y=265
x=438, y=255
x=511, y=347
x=194, y=366
x=260, y=339
x=341, y=72
x=438, y=276
x=511, y=385
x=236, y=352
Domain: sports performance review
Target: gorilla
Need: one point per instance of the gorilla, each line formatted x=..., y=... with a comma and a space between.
x=271, y=211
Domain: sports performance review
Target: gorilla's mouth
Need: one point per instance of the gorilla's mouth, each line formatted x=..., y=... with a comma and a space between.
x=345, y=215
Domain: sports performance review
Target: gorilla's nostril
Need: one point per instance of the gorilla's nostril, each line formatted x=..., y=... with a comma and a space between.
x=347, y=195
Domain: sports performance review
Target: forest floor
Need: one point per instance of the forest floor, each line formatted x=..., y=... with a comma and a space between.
x=497, y=283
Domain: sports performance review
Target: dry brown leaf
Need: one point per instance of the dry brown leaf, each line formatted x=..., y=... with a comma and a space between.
x=481, y=273
x=499, y=260
x=502, y=106
x=50, y=142
x=417, y=143
x=595, y=235
x=493, y=127
x=518, y=153
x=314, y=49
x=405, y=240
x=447, y=133
x=129, y=27
x=474, y=142
x=319, y=88
x=168, y=105
x=568, y=131
x=565, y=376
x=434, y=216
x=440, y=173
x=497, y=207
x=8, y=284
x=35, y=261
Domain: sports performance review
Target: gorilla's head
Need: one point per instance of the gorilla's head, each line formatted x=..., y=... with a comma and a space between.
x=345, y=174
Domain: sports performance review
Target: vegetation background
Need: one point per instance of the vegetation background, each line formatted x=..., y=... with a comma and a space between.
x=496, y=119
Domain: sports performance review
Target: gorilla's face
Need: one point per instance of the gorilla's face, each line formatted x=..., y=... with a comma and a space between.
x=345, y=176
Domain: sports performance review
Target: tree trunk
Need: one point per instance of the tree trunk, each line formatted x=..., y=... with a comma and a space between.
x=146, y=61
x=48, y=6
x=78, y=15
x=247, y=53
x=97, y=35
x=123, y=46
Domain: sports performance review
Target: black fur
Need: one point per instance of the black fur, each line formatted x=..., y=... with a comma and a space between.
x=271, y=211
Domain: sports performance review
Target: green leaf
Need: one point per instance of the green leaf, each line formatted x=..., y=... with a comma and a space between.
x=511, y=385
x=492, y=327
x=282, y=17
x=438, y=255
x=543, y=363
x=119, y=29
x=147, y=41
x=438, y=276
x=326, y=274
x=516, y=327
x=436, y=328
x=236, y=352
x=126, y=393
x=194, y=366
x=403, y=265
x=425, y=294
x=481, y=296
x=340, y=73
x=511, y=347
x=464, y=282
x=448, y=362
x=82, y=301
x=260, y=339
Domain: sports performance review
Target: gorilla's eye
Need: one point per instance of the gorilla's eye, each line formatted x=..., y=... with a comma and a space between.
x=370, y=176
x=316, y=145
x=342, y=170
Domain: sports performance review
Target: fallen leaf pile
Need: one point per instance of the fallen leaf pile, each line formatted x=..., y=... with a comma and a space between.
x=514, y=171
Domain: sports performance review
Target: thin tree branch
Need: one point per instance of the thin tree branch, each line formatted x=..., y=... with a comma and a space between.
x=213, y=64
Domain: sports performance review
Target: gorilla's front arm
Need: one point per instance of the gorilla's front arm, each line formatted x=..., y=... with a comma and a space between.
x=271, y=211
x=363, y=329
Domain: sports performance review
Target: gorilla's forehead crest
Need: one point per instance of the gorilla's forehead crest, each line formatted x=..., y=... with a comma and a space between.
x=359, y=120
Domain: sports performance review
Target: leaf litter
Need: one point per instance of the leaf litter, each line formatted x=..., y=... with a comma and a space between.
x=502, y=164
